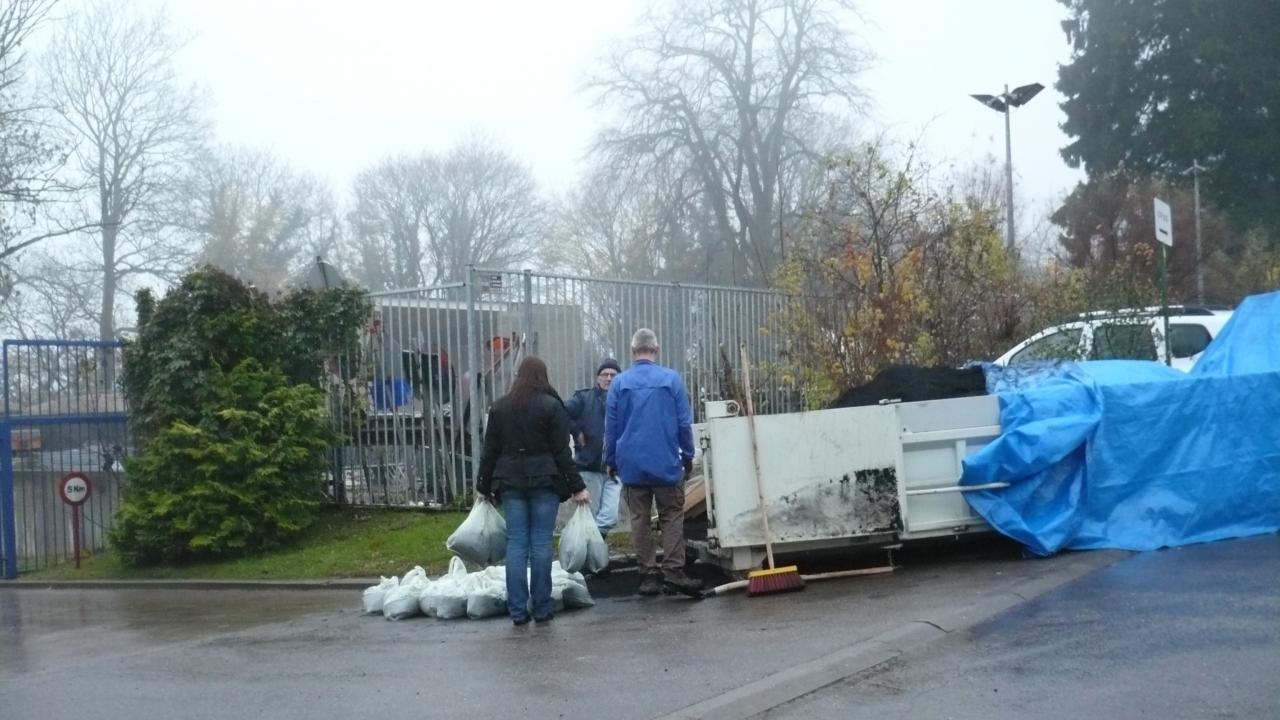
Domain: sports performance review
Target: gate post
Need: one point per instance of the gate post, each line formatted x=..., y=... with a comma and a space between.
x=8, y=522
x=475, y=406
x=530, y=337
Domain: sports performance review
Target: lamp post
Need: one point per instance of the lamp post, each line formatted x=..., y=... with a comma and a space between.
x=1002, y=103
x=1194, y=171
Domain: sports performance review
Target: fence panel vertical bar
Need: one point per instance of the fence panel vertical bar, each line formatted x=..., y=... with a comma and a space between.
x=530, y=333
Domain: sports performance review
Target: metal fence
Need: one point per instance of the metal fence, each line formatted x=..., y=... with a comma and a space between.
x=410, y=401
x=63, y=412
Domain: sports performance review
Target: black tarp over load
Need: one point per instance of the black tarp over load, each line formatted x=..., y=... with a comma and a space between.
x=910, y=383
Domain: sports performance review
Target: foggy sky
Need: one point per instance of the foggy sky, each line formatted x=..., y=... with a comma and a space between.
x=334, y=85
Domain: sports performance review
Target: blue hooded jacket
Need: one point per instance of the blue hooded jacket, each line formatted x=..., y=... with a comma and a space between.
x=648, y=426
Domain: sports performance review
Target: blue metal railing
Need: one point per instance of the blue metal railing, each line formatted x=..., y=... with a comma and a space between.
x=59, y=397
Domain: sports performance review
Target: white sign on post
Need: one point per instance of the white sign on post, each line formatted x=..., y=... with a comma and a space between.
x=74, y=488
x=1164, y=223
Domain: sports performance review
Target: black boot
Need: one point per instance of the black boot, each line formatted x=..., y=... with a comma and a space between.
x=651, y=584
x=684, y=585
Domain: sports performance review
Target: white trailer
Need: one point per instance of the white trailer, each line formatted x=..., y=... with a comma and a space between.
x=874, y=475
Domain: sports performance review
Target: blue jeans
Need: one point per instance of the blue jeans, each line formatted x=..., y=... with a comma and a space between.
x=531, y=518
x=605, y=492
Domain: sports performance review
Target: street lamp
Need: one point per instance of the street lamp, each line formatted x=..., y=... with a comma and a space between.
x=1194, y=171
x=1002, y=103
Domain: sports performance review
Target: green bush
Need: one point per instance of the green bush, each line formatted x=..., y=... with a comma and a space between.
x=209, y=322
x=241, y=479
x=317, y=325
x=224, y=398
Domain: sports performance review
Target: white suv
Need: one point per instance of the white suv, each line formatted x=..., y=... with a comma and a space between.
x=1125, y=335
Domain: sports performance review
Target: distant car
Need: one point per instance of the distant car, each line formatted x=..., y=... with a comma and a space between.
x=1125, y=335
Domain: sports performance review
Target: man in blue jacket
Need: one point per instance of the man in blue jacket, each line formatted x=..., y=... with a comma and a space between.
x=586, y=423
x=649, y=446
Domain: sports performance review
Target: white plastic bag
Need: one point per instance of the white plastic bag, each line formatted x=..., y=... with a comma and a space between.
x=569, y=588
x=576, y=596
x=375, y=595
x=560, y=576
x=481, y=539
x=581, y=545
x=403, y=601
x=445, y=598
x=424, y=602
x=457, y=570
x=488, y=598
x=557, y=598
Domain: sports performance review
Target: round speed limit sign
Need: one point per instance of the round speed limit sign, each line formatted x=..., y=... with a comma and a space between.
x=75, y=488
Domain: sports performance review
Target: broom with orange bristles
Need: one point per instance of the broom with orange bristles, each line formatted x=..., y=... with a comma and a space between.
x=775, y=579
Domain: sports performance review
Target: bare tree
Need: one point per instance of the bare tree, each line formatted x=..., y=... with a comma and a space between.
x=18, y=19
x=135, y=127
x=30, y=157
x=483, y=209
x=423, y=219
x=725, y=92
x=254, y=216
x=640, y=226
x=595, y=230
x=48, y=301
x=387, y=222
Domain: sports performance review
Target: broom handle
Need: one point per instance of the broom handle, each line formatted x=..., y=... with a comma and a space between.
x=755, y=453
x=722, y=589
x=848, y=573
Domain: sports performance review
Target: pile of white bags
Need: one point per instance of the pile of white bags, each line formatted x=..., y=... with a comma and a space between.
x=481, y=539
x=581, y=545
x=458, y=593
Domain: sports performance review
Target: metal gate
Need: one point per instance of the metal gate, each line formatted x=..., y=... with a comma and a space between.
x=409, y=404
x=63, y=412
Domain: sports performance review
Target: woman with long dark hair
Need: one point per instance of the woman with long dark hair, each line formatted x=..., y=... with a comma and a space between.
x=526, y=465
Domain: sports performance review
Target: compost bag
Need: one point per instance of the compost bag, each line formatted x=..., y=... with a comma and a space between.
x=374, y=596
x=481, y=539
x=909, y=383
x=582, y=547
x=402, y=601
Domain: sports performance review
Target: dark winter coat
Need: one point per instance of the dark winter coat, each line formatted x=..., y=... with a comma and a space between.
x=526, y=448
x=586, y=417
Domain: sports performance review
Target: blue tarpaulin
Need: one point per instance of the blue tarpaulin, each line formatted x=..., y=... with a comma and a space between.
x=1134, y=455
x=1250, y=342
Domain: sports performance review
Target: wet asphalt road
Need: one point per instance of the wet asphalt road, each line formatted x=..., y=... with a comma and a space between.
x=1184, y=633
x=140, y=653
